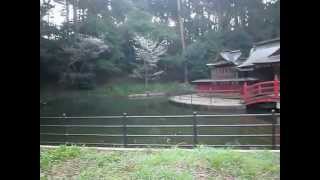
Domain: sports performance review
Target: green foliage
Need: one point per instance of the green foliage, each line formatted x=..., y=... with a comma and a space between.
x=173, y=61
x=238, y=39
x=108, y=66
x=173, y=66
x=195, y=51
x=196, y=57
x=203, y=51
x=140, y=22
x=217, y=25
x=79, y=70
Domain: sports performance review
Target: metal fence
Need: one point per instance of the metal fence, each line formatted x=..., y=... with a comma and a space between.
x=124, y=119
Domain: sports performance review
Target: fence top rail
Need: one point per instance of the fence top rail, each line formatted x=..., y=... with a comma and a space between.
x=164, y=135
x=164, y=116
x=160, y=125
x=80, y=117
x=113, y=145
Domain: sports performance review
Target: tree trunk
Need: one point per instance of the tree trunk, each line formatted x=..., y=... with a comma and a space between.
x=182, y=41
x=67, y=16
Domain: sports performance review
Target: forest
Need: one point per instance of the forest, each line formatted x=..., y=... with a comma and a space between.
x=147, y=40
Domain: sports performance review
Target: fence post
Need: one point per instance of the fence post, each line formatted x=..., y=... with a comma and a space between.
x=124, y=130
x=274, y=122
x=65, y=129
x=195, y=130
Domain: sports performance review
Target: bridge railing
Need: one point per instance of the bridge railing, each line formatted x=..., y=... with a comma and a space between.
x=267, y=91
x=195, y=125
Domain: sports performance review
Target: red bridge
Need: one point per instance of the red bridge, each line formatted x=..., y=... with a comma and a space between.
x=262, y=92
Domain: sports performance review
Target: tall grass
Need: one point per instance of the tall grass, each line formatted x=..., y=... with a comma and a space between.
x=51, y=157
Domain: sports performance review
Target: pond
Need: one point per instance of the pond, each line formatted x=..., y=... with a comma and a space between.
x=88, y=104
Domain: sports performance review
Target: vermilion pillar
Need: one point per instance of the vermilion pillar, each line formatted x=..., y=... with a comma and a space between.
x=276, y=86
x=244, y=91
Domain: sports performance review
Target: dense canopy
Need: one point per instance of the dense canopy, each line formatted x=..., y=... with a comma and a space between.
x=98, y=39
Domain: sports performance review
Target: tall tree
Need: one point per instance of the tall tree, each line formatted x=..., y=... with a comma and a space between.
x=75, y=17
x=67, y=16
x=182, y=40
x=211, y=25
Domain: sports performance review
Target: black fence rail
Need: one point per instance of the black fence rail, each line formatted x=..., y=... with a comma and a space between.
x=124, y=135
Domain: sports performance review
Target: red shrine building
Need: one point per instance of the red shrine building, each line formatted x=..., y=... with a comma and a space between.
x=263, y=62
x=229, y=72
x=225, y=77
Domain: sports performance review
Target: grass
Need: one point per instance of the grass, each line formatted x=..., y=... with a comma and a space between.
x=48, y=158
x=178, y=164
x=124, y=89
x=119, y=88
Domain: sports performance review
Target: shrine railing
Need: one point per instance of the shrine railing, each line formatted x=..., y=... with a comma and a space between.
x=268, y=91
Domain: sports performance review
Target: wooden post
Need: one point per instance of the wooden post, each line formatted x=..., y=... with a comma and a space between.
x=274, y=122
x=195, y=131
x=276, y=86
x=65, y=129
x=124, y=130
